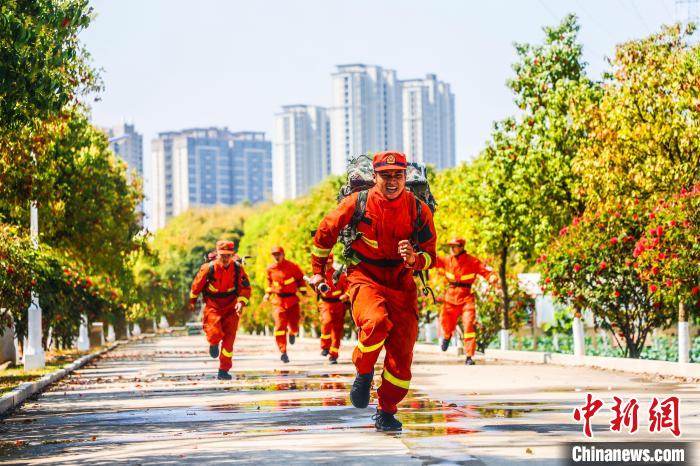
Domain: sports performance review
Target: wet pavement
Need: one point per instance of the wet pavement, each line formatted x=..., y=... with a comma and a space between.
x=157, y=402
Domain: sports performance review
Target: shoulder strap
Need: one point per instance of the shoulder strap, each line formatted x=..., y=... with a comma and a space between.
x=210, y=273
x=417, y=221
x=360, y=207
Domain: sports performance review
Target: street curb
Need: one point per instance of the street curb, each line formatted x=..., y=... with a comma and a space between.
x=636, y=366
x=13, y=399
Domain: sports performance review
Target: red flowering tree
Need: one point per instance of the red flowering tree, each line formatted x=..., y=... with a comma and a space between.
x=668, y=253
x=592, y=266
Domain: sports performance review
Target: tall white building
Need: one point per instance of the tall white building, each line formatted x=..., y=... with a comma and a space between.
x=301, y=150
x=209, y=166
x=365, y=114
x=127, y=144
x=428, y=121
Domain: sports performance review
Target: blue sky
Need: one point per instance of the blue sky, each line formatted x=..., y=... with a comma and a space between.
x=172, y=64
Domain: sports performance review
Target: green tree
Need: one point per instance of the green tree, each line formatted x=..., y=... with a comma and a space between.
x=644, y=133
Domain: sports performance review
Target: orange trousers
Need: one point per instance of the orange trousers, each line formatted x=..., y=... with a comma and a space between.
x=386, y=318
x=448, y=321
x=221, y=327
x=285, y=319
x=332, y=326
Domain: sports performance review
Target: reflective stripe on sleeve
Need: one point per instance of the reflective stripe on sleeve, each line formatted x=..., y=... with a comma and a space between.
x=428, y=260
x=320, y=252
x=193, y=296
x=450, y=276
x=289, y=281
x=466, y=277
x=243, y=299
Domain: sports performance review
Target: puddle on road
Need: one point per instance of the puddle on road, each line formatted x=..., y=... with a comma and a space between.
x=297, y=410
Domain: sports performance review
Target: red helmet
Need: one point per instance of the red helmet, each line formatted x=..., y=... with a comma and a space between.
x=389, y=161
x=456, y=241
x=225, y=247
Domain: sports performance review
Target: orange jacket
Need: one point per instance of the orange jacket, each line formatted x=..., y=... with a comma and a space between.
x=220, y=288
x=385, y=223
x=284, y=279
x=335, y=291
x=461, y=271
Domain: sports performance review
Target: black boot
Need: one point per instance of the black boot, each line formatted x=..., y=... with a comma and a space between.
x=214, y=351
x=386, y=422
x=333, y=360
x=445, y=344
x=324, y=352
x=469, y=361
x=359, y=393
x=223, y=375
x=292, y=339
x=284, y=358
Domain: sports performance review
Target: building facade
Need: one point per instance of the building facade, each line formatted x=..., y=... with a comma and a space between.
x=127, y=144
x=209, y=166
x=428, y=121
x=301, y=150
x=365, y=115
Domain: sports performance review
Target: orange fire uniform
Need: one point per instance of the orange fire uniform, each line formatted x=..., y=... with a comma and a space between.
x=461, y=271
x=332, y=309
x=382, y=289
x=222, y=288
x=284, y=280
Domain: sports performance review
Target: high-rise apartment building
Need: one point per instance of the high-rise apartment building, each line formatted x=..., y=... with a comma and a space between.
x=209, y=166
x=301, y=150
x=428, y=121
x=127, y=144
x=365, y=114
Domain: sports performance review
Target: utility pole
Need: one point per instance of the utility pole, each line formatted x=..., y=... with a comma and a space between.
x=34, y=357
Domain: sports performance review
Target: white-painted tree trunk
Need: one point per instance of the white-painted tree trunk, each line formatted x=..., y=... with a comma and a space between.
x=137, y=330
x=163, y=324
x=683, y=342
x=504, y=337
x=579, y=338
x=111, y=335
x=83, y=343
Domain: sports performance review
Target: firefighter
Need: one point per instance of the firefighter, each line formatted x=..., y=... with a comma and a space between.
x=284, y=280
x=332, y=307
x=461, y=270
x=382, y=290
x=226, y=290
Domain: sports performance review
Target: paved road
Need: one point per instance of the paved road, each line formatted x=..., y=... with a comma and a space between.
x=157, y=402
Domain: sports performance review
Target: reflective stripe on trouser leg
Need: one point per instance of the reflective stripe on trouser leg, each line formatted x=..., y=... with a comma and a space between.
x=230, y=327
x=468, y=320
x=325, y=325
x=370, y=315
x=280, y=315
x=448, y=319
x=399, y=344
x=293, y=316
x=337, y=329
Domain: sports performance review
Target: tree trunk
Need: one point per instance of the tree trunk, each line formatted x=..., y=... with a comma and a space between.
x=502, y=268
x=683, y=334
